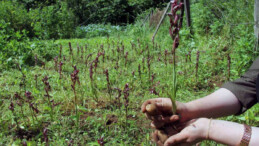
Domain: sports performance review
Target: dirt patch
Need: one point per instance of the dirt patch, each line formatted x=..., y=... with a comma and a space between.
x=27, y=134
x=111, y=119
x=87, y=114
x=216, y=81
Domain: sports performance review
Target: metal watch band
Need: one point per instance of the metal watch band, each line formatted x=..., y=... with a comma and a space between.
x=247, y=136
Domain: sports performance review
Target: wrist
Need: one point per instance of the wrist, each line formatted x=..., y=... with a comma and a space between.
x=205, y=124
x=186, y=112
x=182, y=110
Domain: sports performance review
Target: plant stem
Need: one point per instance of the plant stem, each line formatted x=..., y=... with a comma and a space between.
x=174, y=85
x=32, y=116
x=77, y=116
x=51, y=108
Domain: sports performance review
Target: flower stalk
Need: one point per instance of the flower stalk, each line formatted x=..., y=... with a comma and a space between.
x=47, y=90
x=126, y=101
x=93, y=86
x=71, y=51
x=75, y=79
x=106, y=72
x=197, y=64
x=175, y=25
x=229, y=65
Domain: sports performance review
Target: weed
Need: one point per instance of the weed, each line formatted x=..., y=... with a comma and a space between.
x=36, y=60
x=126, y=58
x=34, y=110
x=71, y=51
x=56, y=63
x=106, y=72
x=197, y=64
x=93, y=85
x=126, y=101
x=23, y=79
x=75, y=79
x=45, y=136
x=139, y=71
x=60, y=69
x=100, y=141
x=19, y=102
x=229, y=65
x=60, y=52
x=166, y=53
x=36, y=80
x=11, y=107
x=117, y=98
x=47, y=90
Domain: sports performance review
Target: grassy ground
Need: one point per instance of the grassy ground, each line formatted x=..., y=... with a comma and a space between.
x=105, y=117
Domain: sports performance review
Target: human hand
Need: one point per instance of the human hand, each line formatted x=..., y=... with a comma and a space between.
x=191, y=133
x=164, y=111
x=161, y=135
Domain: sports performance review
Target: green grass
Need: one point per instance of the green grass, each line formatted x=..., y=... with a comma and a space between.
x=103, y=118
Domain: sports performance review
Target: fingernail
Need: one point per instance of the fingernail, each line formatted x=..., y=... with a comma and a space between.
x=152, y=125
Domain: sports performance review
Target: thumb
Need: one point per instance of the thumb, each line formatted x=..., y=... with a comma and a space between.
x=178, y=138
x=165, y=105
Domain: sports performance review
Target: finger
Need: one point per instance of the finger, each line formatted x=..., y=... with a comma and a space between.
x=155, y=100
x=169, y=119
x=159, y=121
x=174, y=118
x=157, y=125
x=152, y=125
x=178, y=138
x=143, y=107
x=159, y=143
x=150, y=101
x=165, y=105
x=155, y=138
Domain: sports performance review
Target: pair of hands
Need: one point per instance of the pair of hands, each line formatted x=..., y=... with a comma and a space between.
x=180, y=130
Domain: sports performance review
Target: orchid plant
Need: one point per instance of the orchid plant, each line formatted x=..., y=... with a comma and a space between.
x=175, y=26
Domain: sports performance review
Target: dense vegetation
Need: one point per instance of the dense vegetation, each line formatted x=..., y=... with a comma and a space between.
x=58, y=19
x=88, y=90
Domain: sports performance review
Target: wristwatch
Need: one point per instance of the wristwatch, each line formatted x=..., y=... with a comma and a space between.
x=247, y=136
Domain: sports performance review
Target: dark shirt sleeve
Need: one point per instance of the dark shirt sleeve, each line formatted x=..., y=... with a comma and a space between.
x=244, y=88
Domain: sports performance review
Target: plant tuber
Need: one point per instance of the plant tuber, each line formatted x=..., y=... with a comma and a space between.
x=152, y=110
x=164, y=132
x=162, y=136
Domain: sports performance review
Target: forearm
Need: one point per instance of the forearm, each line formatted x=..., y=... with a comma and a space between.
x=218, y=104
x=230, y=133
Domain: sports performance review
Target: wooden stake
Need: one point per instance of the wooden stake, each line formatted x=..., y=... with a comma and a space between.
x=160, y=22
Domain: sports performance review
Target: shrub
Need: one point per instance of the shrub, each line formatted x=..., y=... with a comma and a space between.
x=16, y=47
x=55, y=21
x=95, y=30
